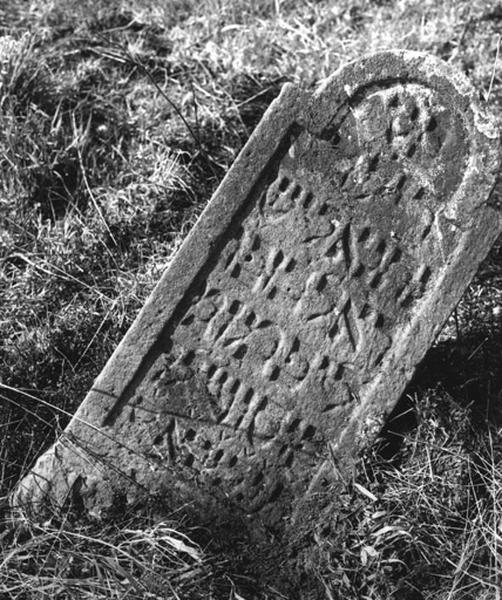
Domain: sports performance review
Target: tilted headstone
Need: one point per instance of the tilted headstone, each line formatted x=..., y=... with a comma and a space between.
x=293, y=316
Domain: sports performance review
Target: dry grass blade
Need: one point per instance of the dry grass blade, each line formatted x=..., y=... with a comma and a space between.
x=65, y=562
x=495, y=62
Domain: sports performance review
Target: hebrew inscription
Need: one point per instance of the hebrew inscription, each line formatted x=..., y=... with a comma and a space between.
x=322, y=281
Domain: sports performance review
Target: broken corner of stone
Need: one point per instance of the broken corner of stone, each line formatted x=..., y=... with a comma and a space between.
x=291, y=319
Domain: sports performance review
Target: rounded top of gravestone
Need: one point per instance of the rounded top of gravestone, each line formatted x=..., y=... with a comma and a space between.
x=405, y=66
x=401, y=117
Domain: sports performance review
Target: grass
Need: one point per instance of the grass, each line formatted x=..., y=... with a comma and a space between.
x=153, y=561
x=118, y=121
x=427, y=524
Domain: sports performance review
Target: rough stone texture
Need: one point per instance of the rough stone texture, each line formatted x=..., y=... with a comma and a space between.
x=291, y=319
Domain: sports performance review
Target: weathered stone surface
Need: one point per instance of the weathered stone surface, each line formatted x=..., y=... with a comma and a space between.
x=291, y=319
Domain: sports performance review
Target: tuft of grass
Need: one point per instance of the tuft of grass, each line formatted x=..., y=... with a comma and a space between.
x=426, y=524
x=88, y=560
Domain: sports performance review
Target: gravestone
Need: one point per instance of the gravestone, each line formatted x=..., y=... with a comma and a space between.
x=294, y=314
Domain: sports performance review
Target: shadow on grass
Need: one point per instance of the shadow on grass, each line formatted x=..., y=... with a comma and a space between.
x=469, y=371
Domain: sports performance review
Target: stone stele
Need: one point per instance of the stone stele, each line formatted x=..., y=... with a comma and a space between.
x=293, y=316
